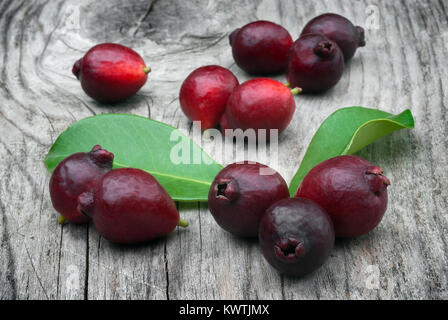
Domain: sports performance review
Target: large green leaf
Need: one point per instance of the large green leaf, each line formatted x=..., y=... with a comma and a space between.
x=146, y=144
x=347, y=131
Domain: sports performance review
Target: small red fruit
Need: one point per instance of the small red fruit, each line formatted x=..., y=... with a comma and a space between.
x=241, y=193
x=130, y=206
x=261, y=47
x=111, y=72
x=338, y=29
x=315, y=63
x=78, y=173
x=351, y=190
x=204, y=94
x=261, y=104
x=296, y=236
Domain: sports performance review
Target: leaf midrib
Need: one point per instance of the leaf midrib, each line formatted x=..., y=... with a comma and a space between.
x=167, y=175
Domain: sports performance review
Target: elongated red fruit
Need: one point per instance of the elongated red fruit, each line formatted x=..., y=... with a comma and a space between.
x=130, y=206
x=204, y=94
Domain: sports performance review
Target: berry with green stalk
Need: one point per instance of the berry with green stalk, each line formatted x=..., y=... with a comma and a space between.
x=261, y=103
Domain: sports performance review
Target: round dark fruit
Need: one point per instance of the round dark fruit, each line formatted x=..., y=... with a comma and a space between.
x=296, y=236
x=78, y=173
x=315, y=63
x=130, y=206
x=261, y=104
x=241, y=193
x=204, y=94
x=351, y=190
x=338, y=29
x=261, y=47
x=111, y=72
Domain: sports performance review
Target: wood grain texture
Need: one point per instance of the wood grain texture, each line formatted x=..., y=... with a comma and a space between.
x=402, y=66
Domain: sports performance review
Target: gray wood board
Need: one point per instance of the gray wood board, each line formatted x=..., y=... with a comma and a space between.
x=403, y=66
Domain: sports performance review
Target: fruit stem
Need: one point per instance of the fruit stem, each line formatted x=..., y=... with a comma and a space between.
x=296, y=91
x=183, y=223
x=61, y=220
x=361, y=37
x=287, y=84
x=146, y=70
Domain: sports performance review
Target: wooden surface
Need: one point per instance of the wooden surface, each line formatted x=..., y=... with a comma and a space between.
x=404, y=65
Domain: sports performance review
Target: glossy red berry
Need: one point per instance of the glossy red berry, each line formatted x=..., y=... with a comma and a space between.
x=223, y=123
x=78, y=173
x=261, y=47
x=241, y=193
x=296, y=236
x=351, y=190
x=338, y=29
x=315, y=63
x=261, y=104
x=130, y=206
x=204, y=94
x=111, y=72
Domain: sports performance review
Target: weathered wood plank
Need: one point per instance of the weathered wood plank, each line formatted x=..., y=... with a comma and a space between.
x=403, y=65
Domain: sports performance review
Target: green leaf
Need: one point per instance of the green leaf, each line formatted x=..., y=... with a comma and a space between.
x=347, y=131
x=146, y=144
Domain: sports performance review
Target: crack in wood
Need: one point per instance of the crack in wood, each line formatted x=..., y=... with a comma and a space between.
x=9, y=289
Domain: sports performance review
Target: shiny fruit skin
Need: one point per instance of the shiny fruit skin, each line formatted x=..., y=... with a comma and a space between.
x=296, y=236
x=351, y=190
x=130, y=206
x=338, y=29
x=260, y=103
x=204, y=94
x=241, y=193
x=111, y=72
x=223, y=123
x=78, y=173
x=261, y=47
x=315, y=63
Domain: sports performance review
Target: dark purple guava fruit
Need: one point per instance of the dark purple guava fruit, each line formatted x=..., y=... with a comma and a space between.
x=130, y=206
x=241, y=193
x=296, y=236
x=338, y=29
x=261, y=47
